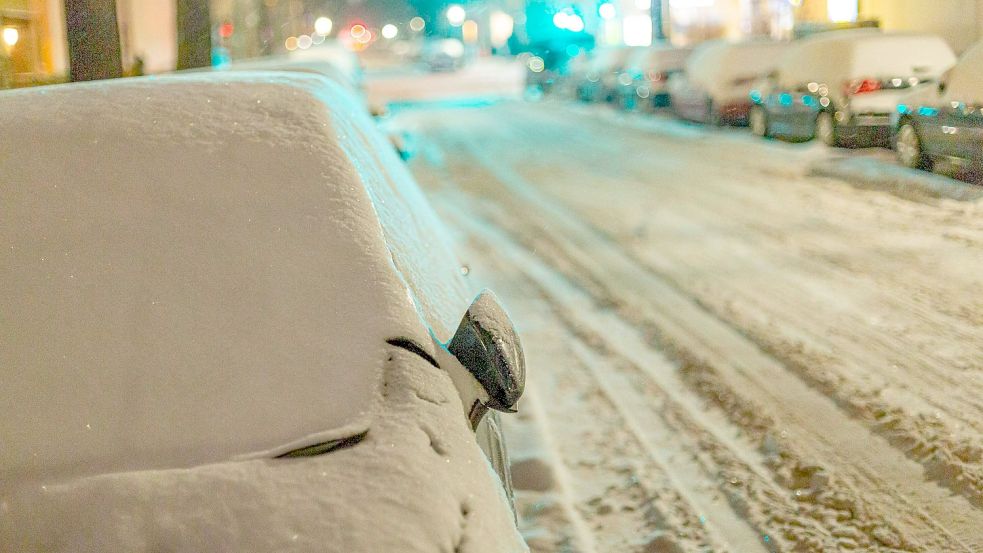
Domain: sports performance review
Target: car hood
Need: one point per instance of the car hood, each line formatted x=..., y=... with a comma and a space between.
x=193, y=272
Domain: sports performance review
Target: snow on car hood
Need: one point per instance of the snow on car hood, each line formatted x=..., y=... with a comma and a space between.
x=193, y=272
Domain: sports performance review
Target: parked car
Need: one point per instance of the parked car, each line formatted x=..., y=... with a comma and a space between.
x=718, y=76
x=945, y=121
x=843, y=86
x=441, y=55
x=597, y=82
x=233, y=323
x=646, y=74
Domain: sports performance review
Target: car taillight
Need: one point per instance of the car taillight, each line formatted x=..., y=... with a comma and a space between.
x=862, y=86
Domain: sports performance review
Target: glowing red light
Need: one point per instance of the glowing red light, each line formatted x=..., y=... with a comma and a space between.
x=225, y=30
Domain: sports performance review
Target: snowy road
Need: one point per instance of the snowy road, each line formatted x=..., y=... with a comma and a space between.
x=725, y=353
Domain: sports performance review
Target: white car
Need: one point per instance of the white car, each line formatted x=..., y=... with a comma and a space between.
x=231, y=324
x=644, y=81
x=714, y=85
x=843, y=86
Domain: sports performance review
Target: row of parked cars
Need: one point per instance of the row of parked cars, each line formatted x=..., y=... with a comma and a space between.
x=853, y=88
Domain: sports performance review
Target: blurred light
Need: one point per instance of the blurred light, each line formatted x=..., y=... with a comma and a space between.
x=357, y=31
x=417, y=24
x=318, y=39
x=469, y=31
x=456, y=15
x=290, y=43
x=637, y=30
x=501, y=26
x=573, y=50
x=575, y=23
x=323, y=25
x=10, y=36
x=785, y=99
x=304, y=42
x=389, y=31
x=607, y=11
x=225, y=30
x=643, y=4
x=536, y=64
x=842, y=10
x=568, y=20
x=365, y=37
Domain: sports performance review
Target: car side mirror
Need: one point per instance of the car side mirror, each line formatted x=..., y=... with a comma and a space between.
x=488, y=347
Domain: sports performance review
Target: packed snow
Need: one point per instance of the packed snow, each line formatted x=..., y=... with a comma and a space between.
x=726, y=350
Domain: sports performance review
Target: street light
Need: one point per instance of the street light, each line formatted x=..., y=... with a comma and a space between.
x=607, y=11
x=417, y=24
x=456, y=15
x=389, y=31
x=322, y=26
x=10, y=36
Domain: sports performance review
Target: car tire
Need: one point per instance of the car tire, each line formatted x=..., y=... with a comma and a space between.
x=826, y=130
x=908, y=148
x=758, y=120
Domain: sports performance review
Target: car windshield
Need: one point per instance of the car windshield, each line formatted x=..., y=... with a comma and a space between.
x=169, y=300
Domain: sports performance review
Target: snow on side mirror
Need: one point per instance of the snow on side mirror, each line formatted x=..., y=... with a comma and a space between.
x=488, y=348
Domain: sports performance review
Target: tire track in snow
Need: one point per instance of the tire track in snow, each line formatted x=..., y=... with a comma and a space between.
x=852, y=452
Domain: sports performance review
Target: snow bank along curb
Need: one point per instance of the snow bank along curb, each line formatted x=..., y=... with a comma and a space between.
x=900, y=181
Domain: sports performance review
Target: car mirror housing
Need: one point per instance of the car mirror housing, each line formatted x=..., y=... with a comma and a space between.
x=488, y=347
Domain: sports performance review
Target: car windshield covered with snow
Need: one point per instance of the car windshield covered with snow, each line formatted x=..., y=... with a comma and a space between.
x=246, y=273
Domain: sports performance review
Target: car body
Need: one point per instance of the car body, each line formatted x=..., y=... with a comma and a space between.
x=440, y=55
x=843, y=86
x=718, y=76
x=945, y=121
x=231, y=324
x=645, y=78
x=596, y=83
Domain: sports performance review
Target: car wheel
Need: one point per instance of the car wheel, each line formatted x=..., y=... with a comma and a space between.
x=908, y=147
x=759, y=122
x=826, y=129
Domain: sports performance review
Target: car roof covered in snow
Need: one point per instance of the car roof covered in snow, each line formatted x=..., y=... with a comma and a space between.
x=838, y=56
x=201, y=267
x=715, y=63
x=316, y=66
x=330, y=59
x=659, y=57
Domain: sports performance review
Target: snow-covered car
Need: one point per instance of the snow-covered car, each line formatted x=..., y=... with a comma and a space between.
x=343, y=73
x=715, y=84
x=843, y=86
x=646, y=74
x=945, y=121
x=443, y=55
x=596, y=83
x=233, y=323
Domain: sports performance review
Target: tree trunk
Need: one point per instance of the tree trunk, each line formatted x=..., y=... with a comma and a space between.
x=93, y=40
x=194, y=34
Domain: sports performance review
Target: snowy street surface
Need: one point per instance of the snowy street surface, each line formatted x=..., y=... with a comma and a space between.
x=726, y=352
